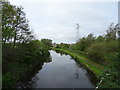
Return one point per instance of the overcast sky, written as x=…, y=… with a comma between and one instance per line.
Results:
x=57, y=20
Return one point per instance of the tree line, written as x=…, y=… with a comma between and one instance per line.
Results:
x=103, y=50
x=21, y=52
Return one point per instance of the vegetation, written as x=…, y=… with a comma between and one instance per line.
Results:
x=15, y=27
x=21, y=59
x=47, y=43
x=94, y=67
x=102, y=51
x=62, y=45
x=21, y=52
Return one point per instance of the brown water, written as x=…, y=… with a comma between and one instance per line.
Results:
x=61, y=72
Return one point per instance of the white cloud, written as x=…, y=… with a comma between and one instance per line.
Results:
x=51, y=1
x=56, y=20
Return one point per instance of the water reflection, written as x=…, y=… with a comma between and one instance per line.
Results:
x=92, y=77
x=60, y=52
x=77, y=73
x=60, y=71
x=29, y=77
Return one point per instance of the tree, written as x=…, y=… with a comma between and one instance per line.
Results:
x=15, y=27
x=84, y=42
x=100, y=38
x=47, y=42
x=111, y=32
x=97, y=51
x=7, y=17
x=22, y=30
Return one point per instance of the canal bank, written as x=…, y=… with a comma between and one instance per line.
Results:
x=62, y=72
x=94, y=67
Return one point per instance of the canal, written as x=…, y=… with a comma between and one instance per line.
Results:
x=62, y=71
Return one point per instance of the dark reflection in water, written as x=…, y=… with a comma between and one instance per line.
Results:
x=89, y=73
x=24, y=81
x=61, y=72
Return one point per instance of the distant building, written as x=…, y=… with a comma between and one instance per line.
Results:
x=54, y=45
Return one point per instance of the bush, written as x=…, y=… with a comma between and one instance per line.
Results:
x=109, y=77
x=97, y=51
x=8, y=80
x=19, y=59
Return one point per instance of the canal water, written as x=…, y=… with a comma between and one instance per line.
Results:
x=61, y=72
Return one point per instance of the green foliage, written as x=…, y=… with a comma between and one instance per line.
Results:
x=8, y=80
x=18, y=60
x=83, y=43
x=19, y=52
x=110, y=76
x=103, y=50
x=94, y=51
x=112, y=46
x=100, y=38
x=47, y=43
x=62, y=45
x=15, y=27
x=57, y=46
x=94, y=67
x=111, y=32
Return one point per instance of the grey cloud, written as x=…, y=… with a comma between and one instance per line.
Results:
x=57, y=20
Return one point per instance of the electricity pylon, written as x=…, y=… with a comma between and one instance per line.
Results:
x=77, y=32
x=77, y=38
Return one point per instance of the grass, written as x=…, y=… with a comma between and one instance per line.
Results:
x=93, y=66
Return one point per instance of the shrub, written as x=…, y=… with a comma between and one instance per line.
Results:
x=97, y=51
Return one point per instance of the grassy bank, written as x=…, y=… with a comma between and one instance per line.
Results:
x=94, y=67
